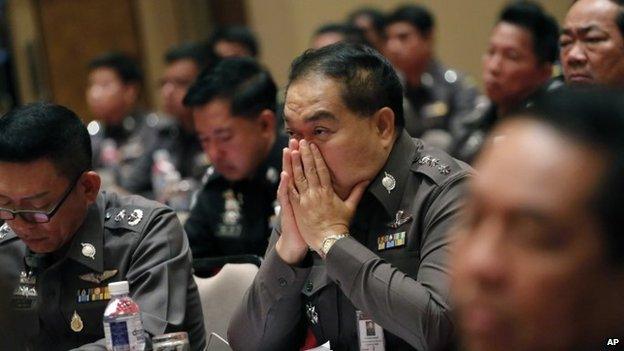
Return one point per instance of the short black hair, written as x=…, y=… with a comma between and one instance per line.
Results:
x=125, y=66
x=542, y=26
x=593, y=116
x=46, y=131
x=197, y=52
x=369, y=82
x=241, y=80
x=377, y=17
x=416, y=15
x=236, y=34
x=619, y=19
x=350, y=33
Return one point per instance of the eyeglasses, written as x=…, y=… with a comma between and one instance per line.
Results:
x=34, y=216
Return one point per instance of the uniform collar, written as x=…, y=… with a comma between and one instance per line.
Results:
x=270, y=169
x=90, y=238
x=397, y=167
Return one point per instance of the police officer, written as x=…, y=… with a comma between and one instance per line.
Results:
x=120, y=130
x=372, y=203
x=175, y=132
x=234, y=114
x=517, y=67
x=63, y=241
x=542, y=241
x=434, y=95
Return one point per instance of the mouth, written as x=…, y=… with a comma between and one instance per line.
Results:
x=580, y=78
x=481, y=320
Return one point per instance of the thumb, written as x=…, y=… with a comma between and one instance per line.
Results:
x=356, y=194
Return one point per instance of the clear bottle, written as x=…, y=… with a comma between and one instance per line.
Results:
x=123, y=328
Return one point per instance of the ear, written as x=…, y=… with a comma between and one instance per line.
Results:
x=383, y=121
x=90, y=183
x=266, y=120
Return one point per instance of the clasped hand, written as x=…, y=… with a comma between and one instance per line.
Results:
x=310, y=208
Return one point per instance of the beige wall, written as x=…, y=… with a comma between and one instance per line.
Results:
x=284, y=27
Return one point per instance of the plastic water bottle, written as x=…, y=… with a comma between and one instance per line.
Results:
x=123, y=328
x=164, y=175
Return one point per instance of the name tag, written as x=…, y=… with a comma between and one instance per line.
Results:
x=370, y=334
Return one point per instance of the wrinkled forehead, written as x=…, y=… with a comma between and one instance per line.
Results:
x=585, y=14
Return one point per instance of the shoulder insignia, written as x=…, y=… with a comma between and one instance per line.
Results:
x=132, y=218
x=431, y=161
x=437, y=165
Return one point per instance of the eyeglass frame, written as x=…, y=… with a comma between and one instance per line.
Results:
x=49, y=214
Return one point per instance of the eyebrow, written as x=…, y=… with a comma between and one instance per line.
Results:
x=315, y=117
x=32, y=197
x=582, y=30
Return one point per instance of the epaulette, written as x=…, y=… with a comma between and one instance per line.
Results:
x=437, y=165
x=210, y=175
x=6, y=234
x=130, y=217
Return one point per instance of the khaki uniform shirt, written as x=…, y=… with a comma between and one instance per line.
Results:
x=392, y=267
x=122, y=238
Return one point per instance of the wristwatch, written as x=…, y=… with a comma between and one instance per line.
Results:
x=329, y=241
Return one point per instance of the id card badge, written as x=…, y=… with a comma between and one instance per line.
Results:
x=370, y=334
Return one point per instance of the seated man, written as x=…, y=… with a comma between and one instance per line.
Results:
x=516, y=68
x=374, y=204
x=592, y=43
x=64, y=241
x=120, y=129
x=176, y=133
x=435, y=97
x=234, y=113
x=538, y=264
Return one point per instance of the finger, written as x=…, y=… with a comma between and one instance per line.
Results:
x=299, y=178
x=282, y=191
x=308, y=164
x=356, y=194
x=321, y=167
x=286, y=163
x=293, y=144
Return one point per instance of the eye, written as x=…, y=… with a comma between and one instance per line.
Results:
x=320, y=131
x=565, y=41
x=594, y=39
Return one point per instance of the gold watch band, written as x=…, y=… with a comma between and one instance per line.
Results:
x=329, y=241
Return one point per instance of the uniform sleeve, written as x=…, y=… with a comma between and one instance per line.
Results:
x=161, y=281
x=198, y=228
x=269, y=317
x=418, y=310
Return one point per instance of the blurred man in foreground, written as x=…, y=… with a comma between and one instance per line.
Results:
x=538, y=264
x=372, y=203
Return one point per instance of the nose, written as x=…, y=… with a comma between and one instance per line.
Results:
x=166, y=90
x=574, y=55
x=215, y=152
x=492, y=64
x=482, y=257
x=19, y=225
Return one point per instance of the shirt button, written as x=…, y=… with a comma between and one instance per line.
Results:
x=282, y=282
